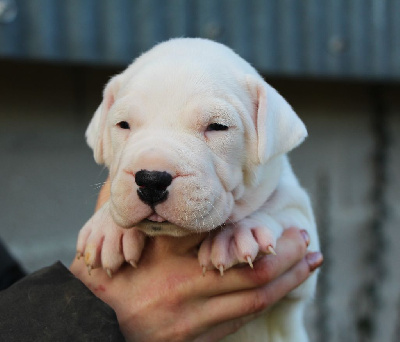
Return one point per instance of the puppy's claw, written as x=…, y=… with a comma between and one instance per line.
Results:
x=79, y=255
x=221, y=270
x=204, y=269
x=271, y=250
x=89, y=268
x=109, y=272
x=133, y=263
x=248, y=258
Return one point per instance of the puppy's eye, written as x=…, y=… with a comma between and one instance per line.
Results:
x=217, y=127
x=123, y=125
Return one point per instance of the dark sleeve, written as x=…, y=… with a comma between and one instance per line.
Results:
x=10, y=270
x=53, y=305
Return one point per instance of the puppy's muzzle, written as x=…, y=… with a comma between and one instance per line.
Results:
x=152, y=186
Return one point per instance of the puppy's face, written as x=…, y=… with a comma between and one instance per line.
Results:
x=180, y=138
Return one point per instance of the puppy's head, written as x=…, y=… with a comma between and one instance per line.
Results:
x=183, y=131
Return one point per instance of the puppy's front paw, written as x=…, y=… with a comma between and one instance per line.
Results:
x=236, y=243
x=104, y=244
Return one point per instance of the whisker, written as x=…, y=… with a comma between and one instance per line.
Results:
x=97, y=185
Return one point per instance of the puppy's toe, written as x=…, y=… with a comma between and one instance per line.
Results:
x=111, y=251
x=223, y=254
x=265, y=239
x=133, y=242
x=245, y=245
x=83, y=236
x=92, y=253
x=204, y=254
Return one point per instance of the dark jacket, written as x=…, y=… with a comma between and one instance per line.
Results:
x=53, y=305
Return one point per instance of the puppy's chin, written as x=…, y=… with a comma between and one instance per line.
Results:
x=161, y=228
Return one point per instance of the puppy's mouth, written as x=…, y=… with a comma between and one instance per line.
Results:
x=155, y=222
x=156, y=218
x=158, y=225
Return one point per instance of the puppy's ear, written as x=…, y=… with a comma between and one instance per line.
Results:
x=278, y=127
x=97, y=136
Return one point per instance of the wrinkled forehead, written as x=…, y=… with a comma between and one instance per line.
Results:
x=181, y=85
x=174, y=79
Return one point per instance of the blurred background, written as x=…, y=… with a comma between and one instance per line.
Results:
x=336, y=61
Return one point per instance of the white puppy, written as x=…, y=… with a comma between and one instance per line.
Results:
x=195, y=140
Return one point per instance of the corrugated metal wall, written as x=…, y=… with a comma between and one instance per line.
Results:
x=328, y=38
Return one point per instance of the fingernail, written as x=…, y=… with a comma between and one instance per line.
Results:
x=305, y=236
x=314, y=260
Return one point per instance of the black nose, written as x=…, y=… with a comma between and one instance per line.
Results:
x=152, y=186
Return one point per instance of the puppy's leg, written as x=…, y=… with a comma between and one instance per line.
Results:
x=281, y=323
x=104, y=244
x=288, y=206
x=285, y=321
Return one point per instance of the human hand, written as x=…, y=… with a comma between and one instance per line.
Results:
x=167, y=298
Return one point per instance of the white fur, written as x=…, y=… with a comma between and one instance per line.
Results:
x=238, y=178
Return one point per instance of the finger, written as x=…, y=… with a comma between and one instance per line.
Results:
x=290, y=249
x=254, y=302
